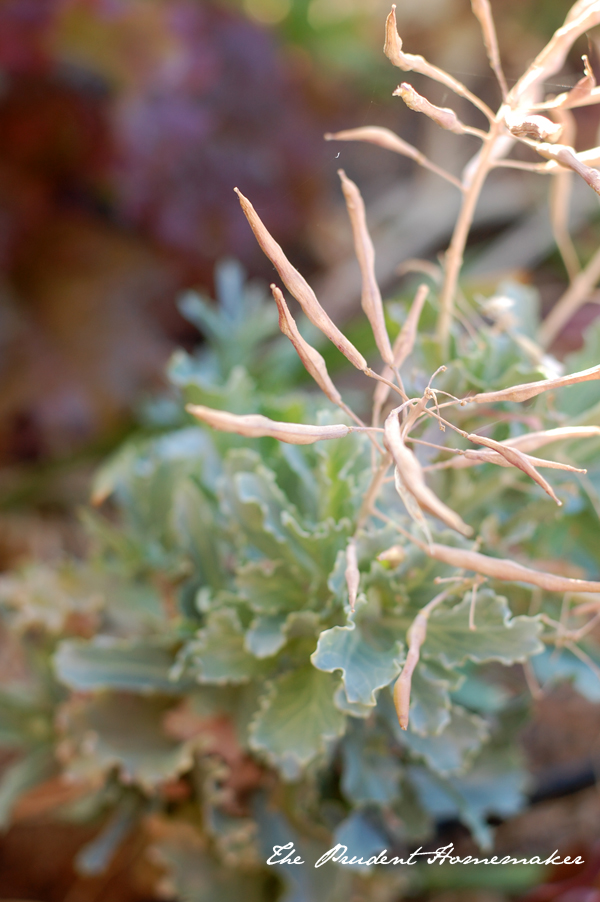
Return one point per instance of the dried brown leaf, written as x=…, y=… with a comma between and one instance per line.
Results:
x=299, y=287
x=413, y=479
x=256, y=426
x=310, y=357
x=365, y=253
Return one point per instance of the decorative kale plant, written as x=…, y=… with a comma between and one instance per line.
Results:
x=288, y=629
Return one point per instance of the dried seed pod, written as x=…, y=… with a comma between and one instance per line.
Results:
x=552, y=58
x=531, y=441
x=309, y=356
x=412, y=508
x=482, y=11
x=383, y=137
x=405, y=341
x=583, y=94
x=365, y=253
x=531, y=389
x=506, y=570
x=299, y=287
x=536, y=128
x=410, y=62
x=516, y=459
x=394, y=555
x=375, y=134
x=442, y=116
x=257, y=426
x=352, y=573
x=412, y=477
x=416, y=635
x=472, y=458
x=566, y=156
x=402, y=348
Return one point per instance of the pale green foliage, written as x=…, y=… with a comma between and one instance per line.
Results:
x=222, y=633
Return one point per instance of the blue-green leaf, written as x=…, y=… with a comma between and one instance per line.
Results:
x=297, y=719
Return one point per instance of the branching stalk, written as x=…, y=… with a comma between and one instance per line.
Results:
x=456, y=250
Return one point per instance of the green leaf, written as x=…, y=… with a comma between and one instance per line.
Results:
x=493, y=786
x=252, y=499
x=124, y=731
x=477, y=694
x=367, y=652
x=108, y=663
x=450, y=751
x=272, y=587
x=341, y=472
x=218, y=654
x=576, y=399
x=266, y=635
x=363, y=837
x=194, y=525
x=498, y=636
x=370, y=774
x=355, y=709
x=430, y=697
x=556, y=665
x=195, y=875
x=297, y=719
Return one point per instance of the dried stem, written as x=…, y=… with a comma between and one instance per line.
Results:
x=573, y=298
x=410, y=62
x=384, y=137
x=455, y=252
x=373, y=490
x=561, y=188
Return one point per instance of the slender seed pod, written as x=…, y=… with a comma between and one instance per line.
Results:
x=310, y=357
x=413, y=479
x=516, y=459
x=257, y=426
x=365, y=253
x=506, y=570
x=403, y=346
x=531, y=389
x=298, y=286
x=416, y=635
x=442, y=116
x=352, y=573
